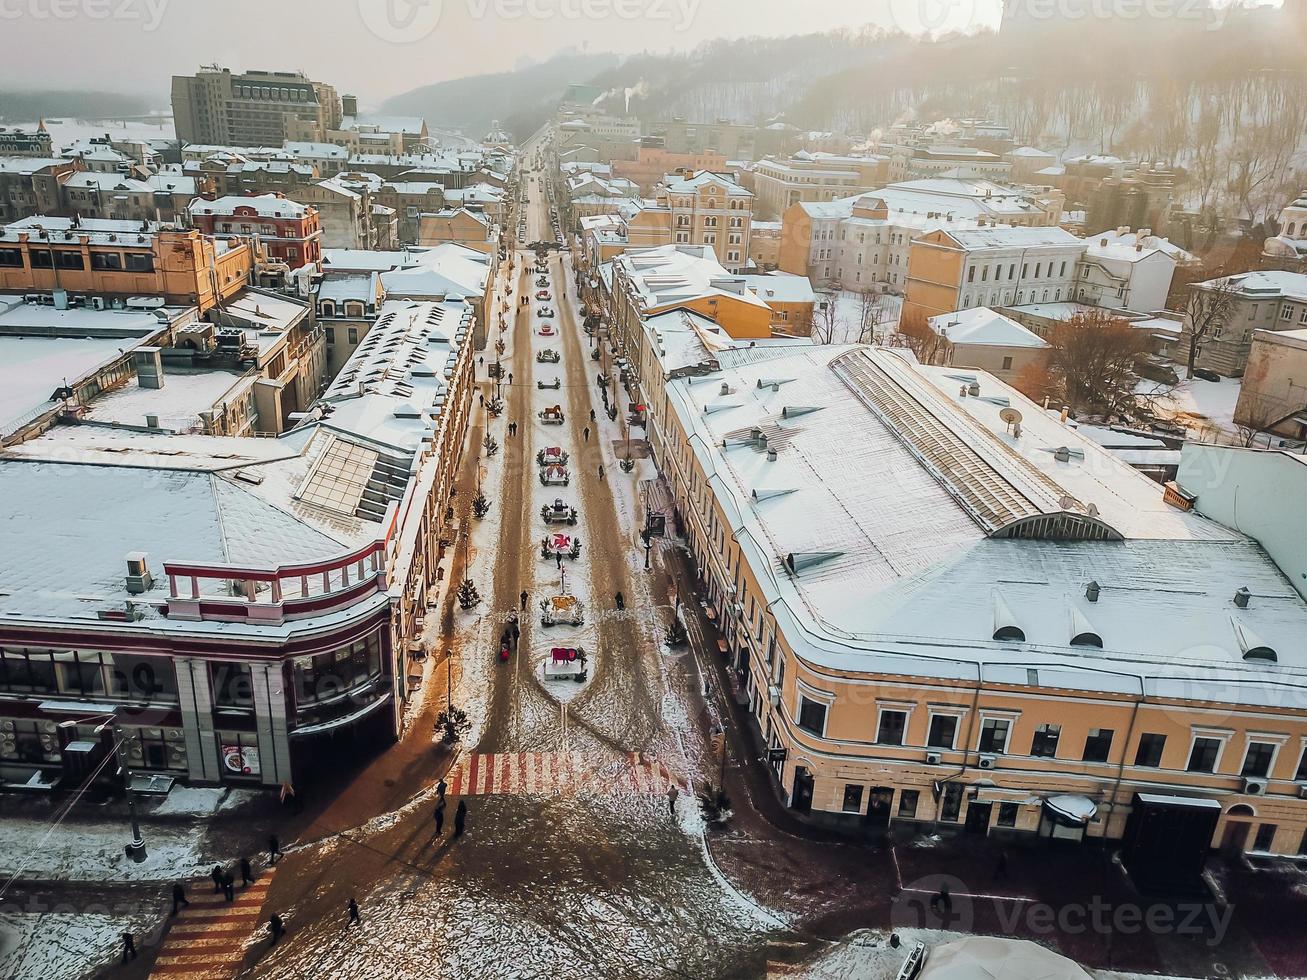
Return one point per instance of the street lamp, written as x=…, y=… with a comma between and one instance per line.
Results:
x=135, y=849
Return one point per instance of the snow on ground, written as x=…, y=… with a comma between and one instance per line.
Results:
x=848, y=317
x=1205, y=408
x=203, y=801
x=66, y=131
x=66, y=945
x=37, y=849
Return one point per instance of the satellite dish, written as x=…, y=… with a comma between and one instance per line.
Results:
x=1010, y=416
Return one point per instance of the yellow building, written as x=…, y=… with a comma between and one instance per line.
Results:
x=103, y=257
x=939, y=619
x=457, y=226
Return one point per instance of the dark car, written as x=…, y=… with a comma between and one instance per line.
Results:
x=1206, y=374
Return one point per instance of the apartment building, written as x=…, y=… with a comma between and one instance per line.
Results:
x=1273, y=393
x=1057, y=698
x=410, y=199
x=31, y=185
x=15, y=142
x=344, y=204
x=711, y=209
x=861, y=241
x=460, y=226
x=97, y=258
x=1272, y=301
x=653, y=162
x=734, y=141
x=814, y=178
x=244, y=603
x=961, y=270
x=255, y=108
x=290, y=232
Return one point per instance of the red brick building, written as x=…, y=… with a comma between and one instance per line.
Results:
x=290, y=232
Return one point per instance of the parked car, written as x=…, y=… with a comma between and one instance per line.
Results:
x=1206, y=374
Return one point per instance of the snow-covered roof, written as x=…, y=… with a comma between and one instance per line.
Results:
x=1018, y=237
x=339, y=288
x=781, y=287
x=263, y=205
x=678, y=184
x=1267, y=285
x=983, y=327
x=669, y=275
x=1131, y=246
x=99, y=231
x=324, y=151
x=28, y=165
x=892, y=498
x=107, y=183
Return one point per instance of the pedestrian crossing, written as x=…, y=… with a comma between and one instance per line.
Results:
x=556, y=773
x=207, y=938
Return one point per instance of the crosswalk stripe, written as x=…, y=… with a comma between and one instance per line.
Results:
x=552, y=773
x=206, y=941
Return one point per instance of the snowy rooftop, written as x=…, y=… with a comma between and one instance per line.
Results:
x=450, y=270
x=781, y=287
x=671, y=274
x=982, y=326
x=97, y=230
x=343, y=287
x=1021, y=237
x=683, y=339
x=891, y=498
x=177, y=405
x=1123, y=243
x=678, y=184
x=28, y=165
x=264, y=205
x=1269, y=285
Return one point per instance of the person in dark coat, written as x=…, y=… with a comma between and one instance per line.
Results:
x=216, y=875
x=277, y=928
x=353, y=908
x=592, y=415
x=601, y=471
x=247, y=873
x=586, y=432
x=179, y=899
x=274, y=848
x=460, y=818
x=440, y=816
x=228, y=886
x=441, y=788
x=523, y=597
x=129, y=947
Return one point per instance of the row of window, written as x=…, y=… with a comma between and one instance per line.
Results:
x=996, y=734
x=40, y=258
x=1012, y=272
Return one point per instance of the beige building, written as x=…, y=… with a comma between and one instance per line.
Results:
x=940, y=622
x=1273, y=396
x=1271, y=301
x=989, y=342
x=814, y=177
x=712, y=209
x=458, y=226
x=255, y=108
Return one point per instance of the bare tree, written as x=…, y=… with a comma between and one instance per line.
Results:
x=1207, y=309
x=916, y=335
x=1091, y=364
x=825, y=318
x=870, y=302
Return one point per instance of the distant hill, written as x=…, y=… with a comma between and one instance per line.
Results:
x=35, y=104
x=520, y=100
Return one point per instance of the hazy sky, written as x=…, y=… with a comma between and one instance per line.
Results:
x=377, y=48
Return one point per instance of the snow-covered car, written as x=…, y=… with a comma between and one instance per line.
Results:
x=562, y=609
x=548, y=356
x=542, y=281
x=553, y=415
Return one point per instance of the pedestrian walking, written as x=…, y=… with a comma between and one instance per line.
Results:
x=559, y=556
x=228, y=886
x=441, y=787
x=592, y=415
x=482, y=396
x=274, y=848
x=460, y=818
x=510, y=377
x=517, y=631
x=353, y=908
x=216, y=875
x=129, y=947
x=179, y=899
x=601, y=471
x=247, y=873
x=440, y=816
x=586, y=432
x=277, y=928
x=523, y=597
x=941, y=902
x=672, y=794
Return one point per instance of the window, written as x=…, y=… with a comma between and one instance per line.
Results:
x=1203, y=754
x=353, y=335
x=1007, y=364
x=1265, y=839
x=812, y=716
x=1301, y=774
x=138, y=262
x=1007, y=814
x=232, y=686
x=69, y=260
x=1044, y=743
x=908, y=804
x=11, y=258
x=1098, y=745
x=943, y=732
x=852, y=798
x=951, y=803
x=331, y=336
x=41, y=259
x=106, y=261
x=892, y=726
x=1257, y=762
x=993, y=734
x=1149, y=753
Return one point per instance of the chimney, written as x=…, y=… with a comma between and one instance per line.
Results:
x=1092, y=591
x=771, y=455
x=139, y=579
x=149, y=367
x=1243, y=597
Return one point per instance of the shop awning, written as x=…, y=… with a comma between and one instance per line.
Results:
x=1078, y=810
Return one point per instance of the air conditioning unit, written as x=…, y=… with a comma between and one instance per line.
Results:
x=988, y=761
x=1254, y=787
x=97, y=303
x=774, y=695
x=933, y=758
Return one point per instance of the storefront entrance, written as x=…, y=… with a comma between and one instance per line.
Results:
x=1166, y=842
x=978, y=815
x=878, y=808
x=801, y=797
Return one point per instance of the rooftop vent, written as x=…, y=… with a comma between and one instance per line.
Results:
x=1092, y=591
x=1083, y=633
x=1005, y=624
x=1242, y=598
x=139, y=579
x=1251, y=645
x=794, y=411
x=771, y=455
x=771, y=493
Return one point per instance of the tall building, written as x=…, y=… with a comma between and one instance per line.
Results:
x=255, y=108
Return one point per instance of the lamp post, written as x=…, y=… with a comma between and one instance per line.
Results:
x=136, y=848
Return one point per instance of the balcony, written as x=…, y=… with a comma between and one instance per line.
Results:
x=230, y=593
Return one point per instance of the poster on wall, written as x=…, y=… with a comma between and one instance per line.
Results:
x=241, y=759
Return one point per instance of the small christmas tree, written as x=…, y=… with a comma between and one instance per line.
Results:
x=490, y=446
x=468, y=596
x=481, y=505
